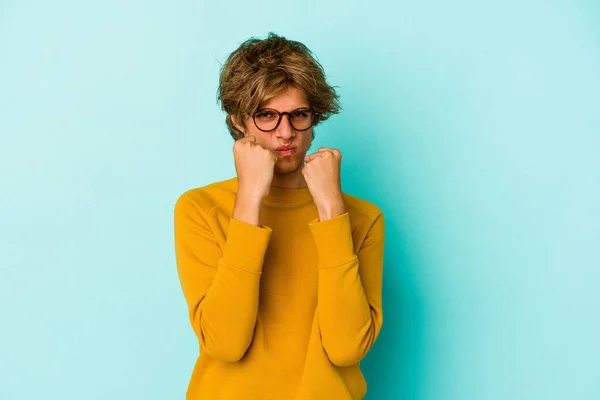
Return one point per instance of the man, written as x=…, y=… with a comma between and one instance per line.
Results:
x=281, y=270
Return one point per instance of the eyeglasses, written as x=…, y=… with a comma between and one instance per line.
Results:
x=267, y=119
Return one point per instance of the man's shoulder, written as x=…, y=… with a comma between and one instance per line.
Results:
x=207, y=196
x=362, y=209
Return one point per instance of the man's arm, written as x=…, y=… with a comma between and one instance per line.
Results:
x=221, y=287
x=350, y=288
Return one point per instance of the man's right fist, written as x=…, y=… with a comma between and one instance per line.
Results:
x=254, y=166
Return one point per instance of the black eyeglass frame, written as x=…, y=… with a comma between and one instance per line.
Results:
x=281, y=114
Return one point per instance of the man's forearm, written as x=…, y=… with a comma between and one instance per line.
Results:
x=247, y=208
x=331, y=208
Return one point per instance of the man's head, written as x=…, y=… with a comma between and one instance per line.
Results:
x=282, y=75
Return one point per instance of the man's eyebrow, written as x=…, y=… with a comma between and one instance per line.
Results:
x=294, y=109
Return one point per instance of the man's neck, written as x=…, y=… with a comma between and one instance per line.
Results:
x=289, y=181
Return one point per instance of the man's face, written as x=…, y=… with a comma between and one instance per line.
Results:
x=285, y=134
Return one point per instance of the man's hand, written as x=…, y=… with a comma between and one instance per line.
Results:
x=322, y=176
x=254, y=166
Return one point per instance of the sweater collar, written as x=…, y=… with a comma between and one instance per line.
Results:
x=284, y=195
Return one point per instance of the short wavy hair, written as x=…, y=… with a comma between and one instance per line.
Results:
x=260, y=69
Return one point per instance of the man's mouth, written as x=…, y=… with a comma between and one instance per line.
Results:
x=286, y=151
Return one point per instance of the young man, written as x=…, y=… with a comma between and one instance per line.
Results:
x=281, y=270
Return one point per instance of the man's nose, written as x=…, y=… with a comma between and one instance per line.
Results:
x=285, y=129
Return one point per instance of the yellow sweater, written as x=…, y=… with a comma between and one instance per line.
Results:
x=285, y=310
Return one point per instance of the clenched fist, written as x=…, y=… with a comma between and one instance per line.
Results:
x=254, y=166
x=322, y=176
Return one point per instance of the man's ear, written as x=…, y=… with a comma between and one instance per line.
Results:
x=237, y=125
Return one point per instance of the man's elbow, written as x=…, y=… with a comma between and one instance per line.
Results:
x=349, y=351
x=344, y=357
x=226, y=352
x=223, y=347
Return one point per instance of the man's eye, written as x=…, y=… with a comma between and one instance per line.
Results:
x=266, y=115
x=300, y=115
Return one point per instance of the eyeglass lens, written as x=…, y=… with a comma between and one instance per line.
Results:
x=267, y=119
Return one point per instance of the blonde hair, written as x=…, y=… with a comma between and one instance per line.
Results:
x=259, y=70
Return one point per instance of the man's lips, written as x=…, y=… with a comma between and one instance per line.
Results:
x=286, y=151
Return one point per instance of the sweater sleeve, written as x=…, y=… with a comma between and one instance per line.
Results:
x=221, y=287
x=350, y=288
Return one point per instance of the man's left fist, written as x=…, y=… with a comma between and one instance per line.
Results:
x=322, y=175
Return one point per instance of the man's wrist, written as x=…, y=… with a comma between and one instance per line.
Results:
x=247, y=208
x=331, y=209
x=250, y=197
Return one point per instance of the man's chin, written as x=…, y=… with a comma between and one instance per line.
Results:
x=287, y=167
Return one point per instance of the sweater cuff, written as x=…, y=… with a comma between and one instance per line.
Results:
x=333, y=240
x=246, y=245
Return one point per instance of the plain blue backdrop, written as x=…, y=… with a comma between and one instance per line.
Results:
x=475, y=126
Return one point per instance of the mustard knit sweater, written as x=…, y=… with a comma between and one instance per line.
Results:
x=285, y=310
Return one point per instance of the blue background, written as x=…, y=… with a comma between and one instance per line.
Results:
x=475, y=126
